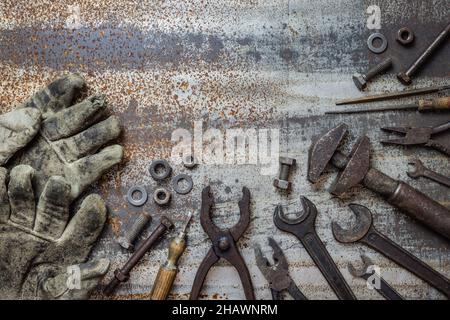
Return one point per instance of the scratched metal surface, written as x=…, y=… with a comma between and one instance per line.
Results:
x=238, y=63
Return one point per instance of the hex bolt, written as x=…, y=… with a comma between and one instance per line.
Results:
x=123, y=274
x=361, y=80
x=126, y=241
x=405, y=77
x=286, y=165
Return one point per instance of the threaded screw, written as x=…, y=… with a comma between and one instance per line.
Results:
x=361, y=80
x=126, y=241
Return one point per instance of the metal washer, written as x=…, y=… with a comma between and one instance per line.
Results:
x=176, y=186
x=372, y=38
x=163, y=163
x=137, y=202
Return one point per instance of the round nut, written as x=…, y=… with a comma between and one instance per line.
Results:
x=405, y=36
x=282, y=184
x=137, y=202
x=162, y=196
x=190, y=161
x=288, y=161
x=160, y=164
x=360, y=81
x=371, y=40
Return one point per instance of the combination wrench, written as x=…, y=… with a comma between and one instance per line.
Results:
x=419, y=170
x=366, y=273
x=364, y=232
x=303, y=227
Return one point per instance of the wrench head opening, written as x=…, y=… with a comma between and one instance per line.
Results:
x=359, y=230
x=322, y=151
x=358, y=273
x=416, y=169
x=305, y=218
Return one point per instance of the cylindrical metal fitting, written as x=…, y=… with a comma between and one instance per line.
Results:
x=127, y=240
x=405, y=77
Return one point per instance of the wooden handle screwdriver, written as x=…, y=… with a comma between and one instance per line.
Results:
x=421, y=105
x=168, y=271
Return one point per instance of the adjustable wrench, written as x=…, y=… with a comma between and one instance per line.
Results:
x=303, y=228
x=365, y=232
x=421, y=171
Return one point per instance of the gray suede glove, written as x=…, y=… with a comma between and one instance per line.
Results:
x=43, y=251
x=17, y=128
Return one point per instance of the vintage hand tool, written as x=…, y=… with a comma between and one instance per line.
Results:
x=405, y=77
x=365, y=273
x=419, y=136
x=224, y=243
x=421, y=171
x=421, y=106
x=393, y=95
x=364, y=232
x=356, y=170
x=123, y=274
x=277, y=274
x=303, y=227
x=167, y=272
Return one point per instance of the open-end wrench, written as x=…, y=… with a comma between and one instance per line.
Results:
x=364, y=232
x=366, y=272
x=303, y=227
x=419, y=170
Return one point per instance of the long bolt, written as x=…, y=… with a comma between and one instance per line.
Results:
x=126, y=241
x=361, y=80
x=405, y=77
x=123, y=274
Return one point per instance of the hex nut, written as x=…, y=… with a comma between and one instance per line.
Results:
x=190, y=161
x=287, y=161
x=162, y=196
x=282, y=184
x=405, y=36
x=167, y=169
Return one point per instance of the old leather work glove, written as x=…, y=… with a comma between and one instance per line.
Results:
x=43, y=251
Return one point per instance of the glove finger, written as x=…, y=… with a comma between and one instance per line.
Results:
x=89, y=169
x=17, y=128
x=4, y=202
x=21, y=195
x=53, y=208
x=74, y=119
x=83, y=230
x=77, y=281
x=57, y=95
x=89, y=140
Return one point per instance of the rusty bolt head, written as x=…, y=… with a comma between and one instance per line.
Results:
x=404, y=78
x=224, y=244
x=287, y=161
x=282, y=184
x=360, y=81
x=405, y=36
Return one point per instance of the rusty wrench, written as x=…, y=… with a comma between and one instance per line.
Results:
x=385, y=289
x=303, y=227
x=365, y=232
x=421, y=171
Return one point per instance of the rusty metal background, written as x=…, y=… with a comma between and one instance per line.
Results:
x=238, y=63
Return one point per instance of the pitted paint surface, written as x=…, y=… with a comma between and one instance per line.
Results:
x=240, y=64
